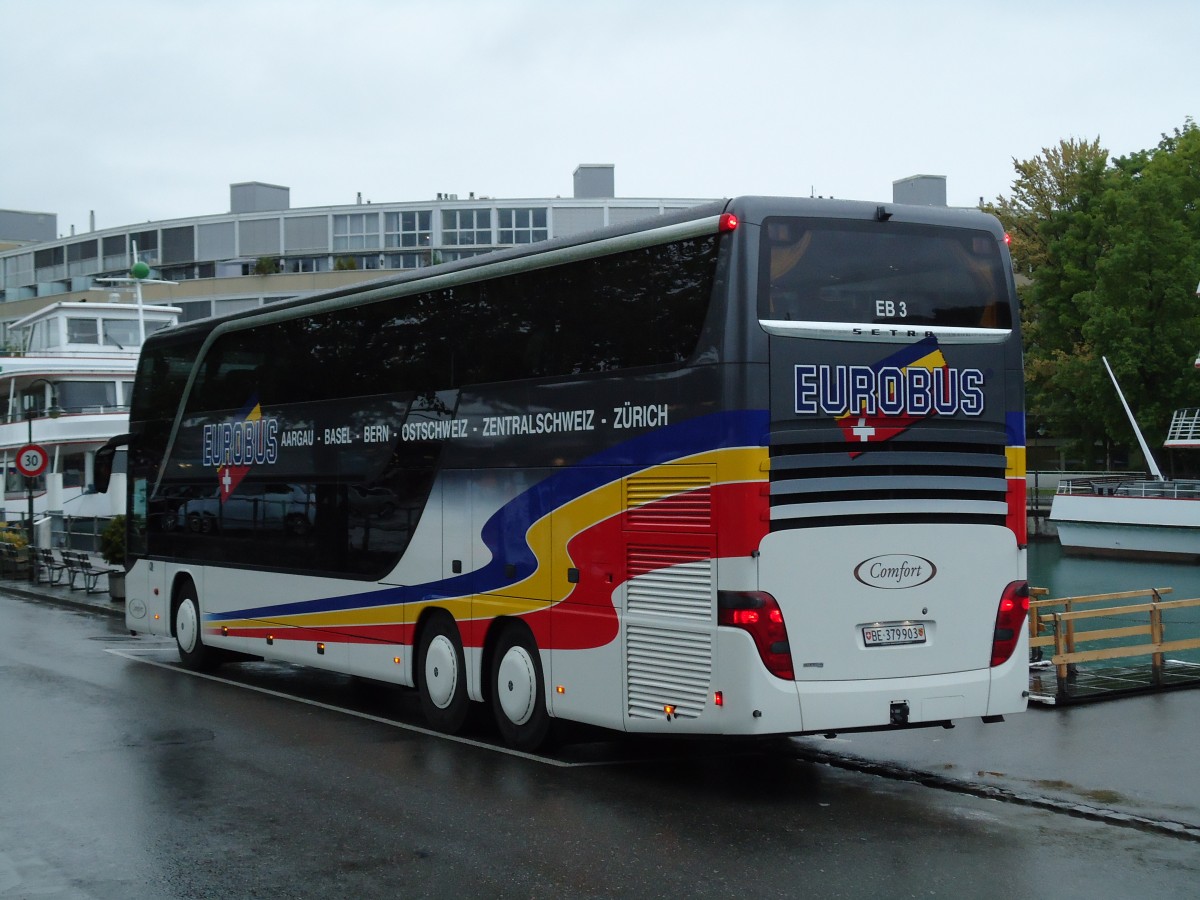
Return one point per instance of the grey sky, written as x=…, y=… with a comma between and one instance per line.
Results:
x=149, y=110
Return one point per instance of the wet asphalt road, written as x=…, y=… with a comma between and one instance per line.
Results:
x=124, y=777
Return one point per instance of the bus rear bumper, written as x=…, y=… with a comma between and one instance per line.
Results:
x=882, y=703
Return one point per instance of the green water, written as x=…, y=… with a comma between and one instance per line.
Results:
x=1069, y=576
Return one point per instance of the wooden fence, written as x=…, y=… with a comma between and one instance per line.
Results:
x=1066, y=631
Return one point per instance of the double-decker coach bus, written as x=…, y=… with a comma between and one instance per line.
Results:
x=755, y=468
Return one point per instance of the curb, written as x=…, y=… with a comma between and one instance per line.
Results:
x=115, y=610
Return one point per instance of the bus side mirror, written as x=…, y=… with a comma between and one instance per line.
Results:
x=104, y=461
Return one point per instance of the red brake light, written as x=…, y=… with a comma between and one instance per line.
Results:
x=758, y=614
x=727, y=222
x=1007, y=239
x=1010, y=621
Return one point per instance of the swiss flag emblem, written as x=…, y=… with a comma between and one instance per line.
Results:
x=862, y=428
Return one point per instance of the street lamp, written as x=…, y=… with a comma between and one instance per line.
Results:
x=53, y=411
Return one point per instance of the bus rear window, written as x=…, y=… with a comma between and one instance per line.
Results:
x=843, y=270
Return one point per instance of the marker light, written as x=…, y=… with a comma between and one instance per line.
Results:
x=727, y=222
x=396, y=660
x=1007, y=239
x=560, y=689
x=1010, y=621
x=719, y=698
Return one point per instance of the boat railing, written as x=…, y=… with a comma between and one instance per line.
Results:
x=1102, y=485
x=1131, y=485
x=1185, y=426
x=95, y=410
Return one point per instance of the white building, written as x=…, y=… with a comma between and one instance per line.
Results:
x=262, y=250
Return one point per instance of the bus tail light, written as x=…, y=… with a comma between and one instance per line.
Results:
x=758, y=614
x=727, y=222
x=1010, y=620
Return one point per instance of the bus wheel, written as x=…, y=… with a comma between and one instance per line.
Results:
x=443, y=676
x=518, y=694
x=192, y=650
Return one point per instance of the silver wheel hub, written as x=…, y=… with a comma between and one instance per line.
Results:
x=187, y=626
x=516, y=685
x=441, y=671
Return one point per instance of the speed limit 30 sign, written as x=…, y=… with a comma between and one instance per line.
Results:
x=32, y=460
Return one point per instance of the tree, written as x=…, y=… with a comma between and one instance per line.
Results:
x=1113, y=253
x=1059, y=180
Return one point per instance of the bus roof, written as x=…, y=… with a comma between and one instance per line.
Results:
x=751, y=209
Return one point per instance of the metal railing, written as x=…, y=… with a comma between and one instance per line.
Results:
x=1185, y=426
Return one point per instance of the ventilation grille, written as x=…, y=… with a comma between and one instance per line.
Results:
x=667, y=668
x=820, y=485
x=670, y=581
x=670, y=499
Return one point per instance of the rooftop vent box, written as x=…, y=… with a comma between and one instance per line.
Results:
x=255, y=196
x=920, y=190
x=594, y=182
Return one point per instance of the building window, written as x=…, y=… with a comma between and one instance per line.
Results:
x=356, y=231
x=452, y=255
x=466, y=227
x=408, y=229
x=147, y=246
x=522, y=226
x=180, y=273
x=306, y=264
x=406, y=260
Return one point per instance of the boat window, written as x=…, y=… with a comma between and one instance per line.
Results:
x=73, y=469
x=86, y=396
x=82, y=331
x=119, y=333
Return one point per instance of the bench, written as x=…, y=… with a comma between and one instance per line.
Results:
x=50, y=567
x=80, y=566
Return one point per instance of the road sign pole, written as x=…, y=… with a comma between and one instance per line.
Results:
x=29, y=497
x=32, y=461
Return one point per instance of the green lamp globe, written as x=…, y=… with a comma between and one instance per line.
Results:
x=140, y=270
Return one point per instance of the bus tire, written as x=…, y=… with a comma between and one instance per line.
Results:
x=442, y=675
x=193, y=652
x=518, y=692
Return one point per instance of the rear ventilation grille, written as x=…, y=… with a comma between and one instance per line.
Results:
x=670, y=581
x=670, y=498
x=820, y=485
x=667, y=668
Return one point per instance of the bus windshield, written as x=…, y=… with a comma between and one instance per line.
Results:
x=840, y=270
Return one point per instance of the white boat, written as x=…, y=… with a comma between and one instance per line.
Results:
x=1134, y=515
x=65, y=380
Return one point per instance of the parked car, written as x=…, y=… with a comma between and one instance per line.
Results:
x=372, y=501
